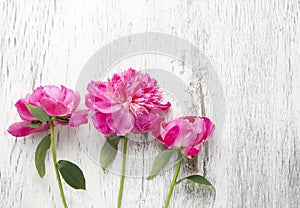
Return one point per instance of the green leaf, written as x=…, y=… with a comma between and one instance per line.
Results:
x=72, y=174
x=161, y=160
x=34, y=124
x=37, y=112
x=40, y=155
x=197, y=179
x=109, y=151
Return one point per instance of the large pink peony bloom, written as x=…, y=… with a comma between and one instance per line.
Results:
x=128, y=102
x=55, y=101
x=187, y=132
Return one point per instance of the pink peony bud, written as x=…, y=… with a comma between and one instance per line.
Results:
x=187, y=132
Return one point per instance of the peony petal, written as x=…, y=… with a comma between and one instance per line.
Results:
x=171, y=136
x=99, y=121
x=71, y=99
x=89, y=101
x=122, y=121
x=106, y=107
x=20, y=129
x=54, y=92
x=36, y=96
x=205, y=129
x=78, y=118
x=99, y=90
x=187, y=136
x=142, y=123
x=209, y=128
x=191, y=150
x=147, y=122
x=164, y=107
x=23, y=111
x=53, y=108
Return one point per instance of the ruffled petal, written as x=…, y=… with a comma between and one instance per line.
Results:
x=187, y=136
x=106, y=107
x=191, y=150
x=99, y=89
x=20, y=129
x=122, y=121
x=78, y=118
x=150, y=121
x=53, y=108
x=36, y=96
x=142, y=123
x=23, y=111
x=71, y=99
x=99, y=121
x=209, y=128
x=54, y=92
x=89, y=101
x=164, y=107
x=171, y=136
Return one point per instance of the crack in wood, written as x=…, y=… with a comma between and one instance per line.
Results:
x=205, y=146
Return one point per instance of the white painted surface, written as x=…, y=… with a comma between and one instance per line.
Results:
x=255, y=48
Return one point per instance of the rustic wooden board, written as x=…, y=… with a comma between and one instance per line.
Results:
x=255, y=49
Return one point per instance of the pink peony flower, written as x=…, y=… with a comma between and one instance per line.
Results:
x=55, y=101
x=128, y=102
x=187, y=132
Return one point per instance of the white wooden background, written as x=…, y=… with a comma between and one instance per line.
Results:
x=255, y=49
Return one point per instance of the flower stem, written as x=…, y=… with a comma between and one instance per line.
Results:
x=55, y=163
x=123, y=172
x=173, y=184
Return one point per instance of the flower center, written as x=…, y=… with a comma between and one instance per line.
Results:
x=126, y=104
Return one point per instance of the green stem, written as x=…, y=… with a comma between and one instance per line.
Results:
x=123, y=172
x=173, y=184
x=55, y=162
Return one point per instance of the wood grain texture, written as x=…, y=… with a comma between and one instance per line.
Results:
x=255, y=49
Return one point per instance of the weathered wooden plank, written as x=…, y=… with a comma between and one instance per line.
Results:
x=254, y=46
